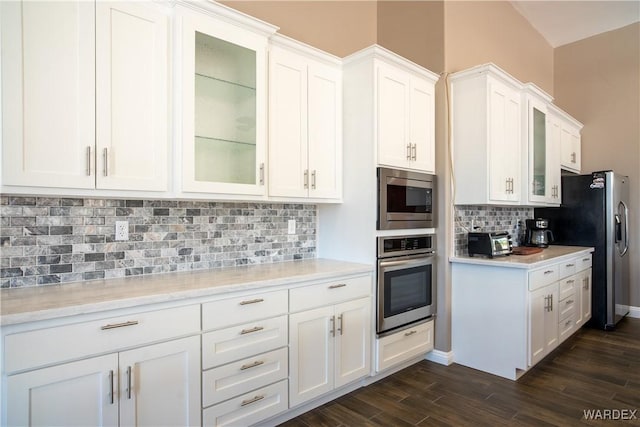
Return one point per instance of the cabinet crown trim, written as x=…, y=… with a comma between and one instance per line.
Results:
x=304, y=49
x=533, y=89
x=485, y=70
x=554, y=109
x=378, y=52
x=230, y=15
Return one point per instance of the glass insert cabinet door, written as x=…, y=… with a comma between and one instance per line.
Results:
x=223, y=110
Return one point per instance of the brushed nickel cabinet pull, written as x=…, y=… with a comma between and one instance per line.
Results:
x=248, y=331
x=408, y=334
x=252, y=301
x=111, y=382
x=105, y=158
x=570, y=281
x=414, y=151
x=573, y=157
x=340, y=327
x=571, y=265
x=313, y=180
x=340, y=285
x=252, y=365
x=567, y=322
x=306, y=178
x=119, y=325
x=548, y=272
x=261, y=173
x=128, y=382
x=585, y=259
x=569, y=302
x=250, y=401
x=551, y=301
x=88, y=161
x=332, y=328
x=408, y=151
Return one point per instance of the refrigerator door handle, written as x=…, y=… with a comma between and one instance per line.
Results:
x=626, y=228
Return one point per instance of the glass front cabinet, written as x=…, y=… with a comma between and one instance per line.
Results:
x=223, y=109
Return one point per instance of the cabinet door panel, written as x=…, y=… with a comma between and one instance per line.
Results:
x=422, y=126
x=353, y=341
x=287, y=124
x=73, y=394
x=325, y=131
x=164, y=384
x=393, y=116
x=132, y=87
x=538, y=305
x=48, y=99
x=311, y=361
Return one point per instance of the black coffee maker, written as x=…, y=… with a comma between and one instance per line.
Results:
x=538, y=233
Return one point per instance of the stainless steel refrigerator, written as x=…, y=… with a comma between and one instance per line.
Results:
x=594, y=213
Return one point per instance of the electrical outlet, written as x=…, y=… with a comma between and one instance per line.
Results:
x=292, y=226
x=122, y=230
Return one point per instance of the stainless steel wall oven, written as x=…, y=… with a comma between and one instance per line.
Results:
x=406, y=285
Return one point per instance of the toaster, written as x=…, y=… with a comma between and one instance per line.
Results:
x=489, y=244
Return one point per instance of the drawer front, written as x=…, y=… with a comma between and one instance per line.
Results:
x=249, y=408
x=329, y=293
x=567, y=307
x=543, y=277
x=568, y=286
x=236, y=378
x=567, y=268
x=232, y=311
x=404, y=345
x=27, y=350
x=242, y=341
x=566, y=327
x=583, y=262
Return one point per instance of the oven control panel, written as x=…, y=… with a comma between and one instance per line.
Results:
x=405, y=245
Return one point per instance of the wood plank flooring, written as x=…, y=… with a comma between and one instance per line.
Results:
x=592, y=370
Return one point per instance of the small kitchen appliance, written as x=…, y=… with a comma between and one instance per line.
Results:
x=538, y=233
x=406, y=199
x=489, y=244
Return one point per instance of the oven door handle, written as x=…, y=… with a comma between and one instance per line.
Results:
x=408, y=261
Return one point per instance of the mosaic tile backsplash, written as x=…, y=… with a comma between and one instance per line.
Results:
x=488, y=218
x=45, y=240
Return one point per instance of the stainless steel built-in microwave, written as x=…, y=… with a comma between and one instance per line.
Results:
x=405, y=199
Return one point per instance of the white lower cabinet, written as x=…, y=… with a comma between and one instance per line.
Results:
x=153, y=385
x=543, y=322
x=329, y=347
x=404, y=345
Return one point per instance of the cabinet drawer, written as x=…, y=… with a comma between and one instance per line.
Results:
x=404, y=345
x=242, y=341
x=567, y=286
x=542, y=277
x=567, y=307
x=329, y=293
x=249, y=408
x=583, y=262
x=567, y=268
x=235, y=378
x=231, y=311
x=49, y=346
x=566, y=327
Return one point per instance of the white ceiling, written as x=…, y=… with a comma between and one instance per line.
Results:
x=562, y=22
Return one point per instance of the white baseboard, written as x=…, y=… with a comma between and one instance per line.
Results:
x=634, y=312
x=441, y=357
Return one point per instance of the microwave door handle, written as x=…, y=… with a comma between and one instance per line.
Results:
x=409, y=182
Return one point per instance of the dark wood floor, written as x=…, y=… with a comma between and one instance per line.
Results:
x=591, y=370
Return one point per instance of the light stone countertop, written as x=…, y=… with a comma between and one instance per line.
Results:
x=21, y=305
x=550, y=255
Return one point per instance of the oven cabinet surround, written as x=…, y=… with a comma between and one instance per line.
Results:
x=305, y=122
x=509, y=313
x=190, y=348
x=542, y=145
x=85, y=89
x=569, y=139
x=84, y=372
x=486, y=120
x=222, y=110
x=396, y=100
x=330, y=337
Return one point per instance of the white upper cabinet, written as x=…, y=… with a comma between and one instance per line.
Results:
x=543, y=160
x=406, y=116
x=570, y=139
x=305, y=122
x=223, y=86
x=486, y=122
x=84, y=95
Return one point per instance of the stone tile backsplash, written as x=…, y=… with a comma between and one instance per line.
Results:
x=488, y=218
x=45, y=240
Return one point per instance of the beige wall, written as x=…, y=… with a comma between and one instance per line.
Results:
x=477, y=32
x=337, y=27
x=597, y=81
